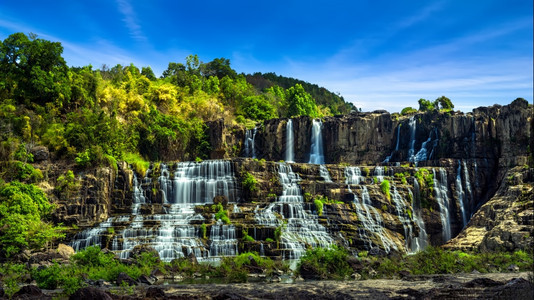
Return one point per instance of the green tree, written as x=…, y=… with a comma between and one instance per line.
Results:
x=300, y=102
x=32, y=69
x=425, y=105
x=445, y=103
x=218, y=67
x=23, y=208
x=147, y=71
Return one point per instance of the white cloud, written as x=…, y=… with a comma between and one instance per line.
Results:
x=130, y=20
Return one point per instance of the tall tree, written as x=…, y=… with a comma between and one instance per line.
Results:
x=32, y=69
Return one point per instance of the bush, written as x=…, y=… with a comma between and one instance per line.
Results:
x=318, y=206
x=249, y=182
x=384, y=186
x=327, y=263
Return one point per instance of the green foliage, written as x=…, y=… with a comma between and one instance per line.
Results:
x=67, y=183
x=92, y=256
x=137, y=162
x=318, y=206
x=246, y=237
x=12, y=275
x=408, y=110
x=23, y=208
x=426, y=183
x=328, y=263
x=402, y=177
x=300, y=103
x=204, y=230
x=249, y=183
x=385, y=187
x=222, y=214
x=425, y=105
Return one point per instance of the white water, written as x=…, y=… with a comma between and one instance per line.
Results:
x=413, y=126
x=316, y=149
x=440, y=187
x=469, y=190
x=171, y=232
x=250, y=137
x=396, y=146
x=323, y=171
x=301, y=226
x=372, y=223
x=420, y=242
x=460, y=195
x=379, y=173
x=290, y=140
x=404, y=218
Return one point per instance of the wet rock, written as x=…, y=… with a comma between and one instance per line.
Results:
x=30, y=292
x=123, y=278
x=150, y=280
x=356, y=276
x=90, y=293
x=513, y=268
x=483, y=282
x=223, y=200
x=155, y=292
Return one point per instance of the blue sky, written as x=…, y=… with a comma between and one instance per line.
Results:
x=376, y=54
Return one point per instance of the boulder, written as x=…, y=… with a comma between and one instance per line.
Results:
x=65, y=251
x=155, y=292
x=123, y=278
x=90, y=292
x=40, y=153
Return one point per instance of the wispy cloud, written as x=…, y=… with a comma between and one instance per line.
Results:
x=130, y=20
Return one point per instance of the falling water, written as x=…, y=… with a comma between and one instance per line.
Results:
x=396, y=146
x=316, y=149
x=421, y=241
x=302, y=227
x=371, y=220
x=250, y=137
x=469, y=191
x=440, y=187
x=460, y=195
x=411, y=152
x=289, y=142
x=323, y=171
x=404, y=218
x=171, y=232
x=379, y=173
x=422, y=154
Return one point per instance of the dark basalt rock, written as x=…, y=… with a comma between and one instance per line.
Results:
x=30, y=292
x=90, y=293
x=123, y=278
x=155, y=292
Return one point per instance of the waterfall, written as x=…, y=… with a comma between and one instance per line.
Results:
x=289, y=142
x=412, y=125
x=316, y=149
x=396, y=146
x=199, y=183
x=422, y=154
x=421, y=241
x=469, y=191
x=302, y=227
x=223, y=240
x=323, y=171
x=171, y=233
x=379, y=173
x=250, y=137
x=372, y=228
x=404, y=218
x=460, y=195
x=440, y=187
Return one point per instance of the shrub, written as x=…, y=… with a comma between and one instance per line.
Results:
x=318, y=206
x=249, y=182
x=384, y=186
x=327, y=263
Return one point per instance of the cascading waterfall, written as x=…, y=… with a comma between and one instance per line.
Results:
x=290, y=140
x=371, y=220
x=323, y=171
x=250, y=137
x=422, y=154
x=171, y=233
x=316, y=149
x=396, y=146
x=469, y=190
x=460, y=195
x=421, y=241
x=404, y=218
x=379, y=173
x=440, y=187
x=413, y=126
x=302, y=227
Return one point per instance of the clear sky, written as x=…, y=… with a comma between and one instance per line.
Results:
x=377, y=54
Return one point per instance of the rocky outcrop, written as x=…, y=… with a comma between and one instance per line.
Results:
x=506, y=221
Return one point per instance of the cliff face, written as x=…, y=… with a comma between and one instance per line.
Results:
x=440, y=169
